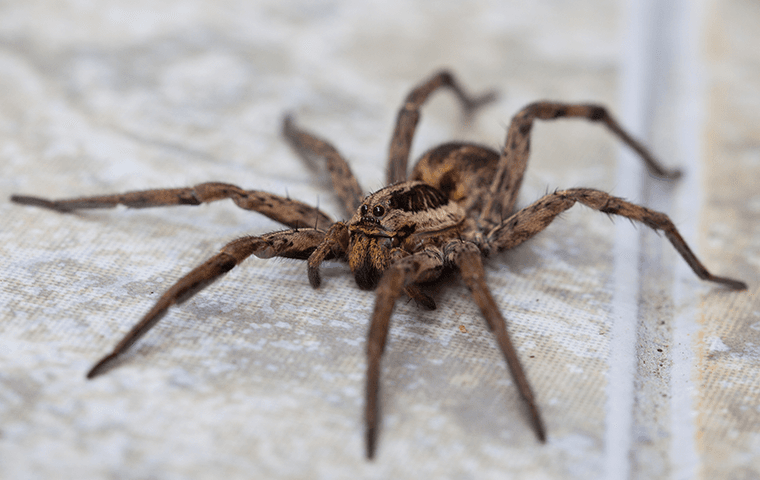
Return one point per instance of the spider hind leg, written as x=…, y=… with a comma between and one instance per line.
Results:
x=502, y=194
x=311, y=147
x=409, y=115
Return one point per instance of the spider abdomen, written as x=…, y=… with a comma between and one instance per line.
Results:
x=461, y=171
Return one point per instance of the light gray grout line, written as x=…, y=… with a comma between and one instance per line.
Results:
x=690, y=106
x=636, y=96
x=622, y=362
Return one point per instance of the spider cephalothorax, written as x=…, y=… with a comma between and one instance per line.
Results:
x=454, y=208
x=398, y=220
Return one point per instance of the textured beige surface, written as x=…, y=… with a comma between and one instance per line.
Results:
x=260, y=376
x=728, y=373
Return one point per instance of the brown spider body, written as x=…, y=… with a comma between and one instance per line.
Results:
x=451, y=211
x=447, y=187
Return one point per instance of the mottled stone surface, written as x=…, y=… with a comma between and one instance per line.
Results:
x=260, y=376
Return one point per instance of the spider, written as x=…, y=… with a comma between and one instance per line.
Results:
x=451, y=212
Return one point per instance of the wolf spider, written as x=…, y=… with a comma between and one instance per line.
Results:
x=454, y=209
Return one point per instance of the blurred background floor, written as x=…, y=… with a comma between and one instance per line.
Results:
x=642, y=370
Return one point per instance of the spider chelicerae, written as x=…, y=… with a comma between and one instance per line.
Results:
x=451, y=212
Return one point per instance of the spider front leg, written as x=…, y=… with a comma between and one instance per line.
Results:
x=529, y=221
x=409, y=115
x=297, y=244
x=289, y=212
x=419, y=267
x=467, y=257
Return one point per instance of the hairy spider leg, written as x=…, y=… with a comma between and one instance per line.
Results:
x=409, y=115
x=298, y=244
x=503, y=192
x=311, y=147
x=289, y=212
x=417, y=267
x=536, y=217
x=467, y=257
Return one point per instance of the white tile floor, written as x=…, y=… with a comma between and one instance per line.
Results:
x=642, y=371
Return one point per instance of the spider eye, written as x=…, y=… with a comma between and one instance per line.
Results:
x=378, y=211
x=363, y=210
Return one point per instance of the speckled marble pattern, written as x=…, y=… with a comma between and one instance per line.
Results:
x=260, y=376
